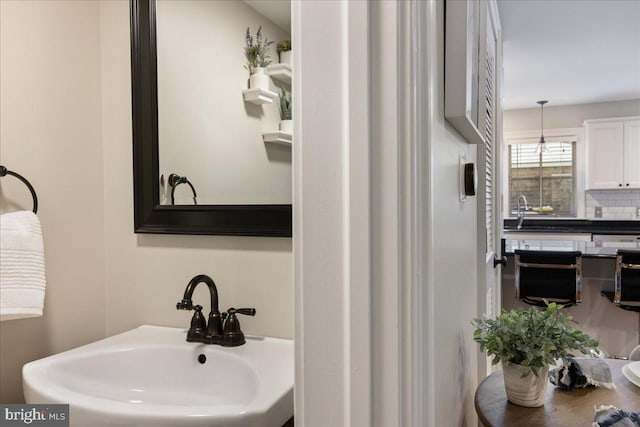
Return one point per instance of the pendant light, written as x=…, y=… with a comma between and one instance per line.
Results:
x=542, y=147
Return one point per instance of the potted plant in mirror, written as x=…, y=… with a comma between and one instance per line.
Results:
x=257, y=53
x=284, y=51
x=286, y=122
x=527, y=342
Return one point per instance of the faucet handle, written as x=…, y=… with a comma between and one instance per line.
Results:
x=197, y=321
x=245, y=311
x=232, y=334
x=198, y=325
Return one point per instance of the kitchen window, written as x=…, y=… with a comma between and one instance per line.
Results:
x=547, y=179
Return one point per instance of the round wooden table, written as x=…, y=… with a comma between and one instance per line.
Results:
x=561, y=408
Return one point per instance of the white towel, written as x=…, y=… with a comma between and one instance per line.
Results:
x=22, y=272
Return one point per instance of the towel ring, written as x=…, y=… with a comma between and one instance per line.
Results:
x=4, y=171
x=174, y=181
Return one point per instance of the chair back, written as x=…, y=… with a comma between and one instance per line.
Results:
x=627, y=279
x=552, y=275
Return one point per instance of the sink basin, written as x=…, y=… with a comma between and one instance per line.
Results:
x=150, y=376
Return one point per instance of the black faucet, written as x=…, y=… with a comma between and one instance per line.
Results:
x=212, y=332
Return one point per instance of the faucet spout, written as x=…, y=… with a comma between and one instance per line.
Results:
x=214, y=324
x=213, y=291
x=522, y=208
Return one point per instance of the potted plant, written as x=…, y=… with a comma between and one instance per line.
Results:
x=284, y=51
x=527, y=342
x=286, y=124
x=257, y=53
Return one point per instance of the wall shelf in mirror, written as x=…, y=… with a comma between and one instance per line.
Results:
x=278, y=138
x=281, y=72
x=259, y=96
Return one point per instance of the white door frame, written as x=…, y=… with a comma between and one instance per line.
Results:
x=331, y=213
x=362, y=114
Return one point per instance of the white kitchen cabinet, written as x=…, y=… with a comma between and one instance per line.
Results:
x=631, y=153
x=613, y=153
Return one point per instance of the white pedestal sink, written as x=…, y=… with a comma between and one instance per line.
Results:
x=150, y=376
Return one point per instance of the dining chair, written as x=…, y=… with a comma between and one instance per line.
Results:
x=626, y=293
x=555, y=276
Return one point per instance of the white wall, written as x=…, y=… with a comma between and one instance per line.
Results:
x=146, y=274
x=567, y=116
x=206, y=130
x=454, y=278
x=50, y=133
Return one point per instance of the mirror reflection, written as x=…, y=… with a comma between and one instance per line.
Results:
x=213, y=138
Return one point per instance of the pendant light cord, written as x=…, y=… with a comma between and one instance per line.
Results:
x=542, y=121
x=542, y=148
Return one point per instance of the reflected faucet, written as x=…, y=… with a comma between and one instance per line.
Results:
x=522, y=208
x=174, y=181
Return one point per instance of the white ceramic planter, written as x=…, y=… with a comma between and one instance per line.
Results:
x=286, y=57
x=286, y=126
x=529, y=391
x=259, y=80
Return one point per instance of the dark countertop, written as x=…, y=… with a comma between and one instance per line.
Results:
x=574, y=226
x=588, y=249
x=558, y=227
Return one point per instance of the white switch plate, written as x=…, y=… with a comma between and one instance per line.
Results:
x=597, y=212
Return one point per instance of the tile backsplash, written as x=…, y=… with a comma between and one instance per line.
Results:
x=615, y=204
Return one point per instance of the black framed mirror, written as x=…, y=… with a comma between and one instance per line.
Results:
x=149, y=215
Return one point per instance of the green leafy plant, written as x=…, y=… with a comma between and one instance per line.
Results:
x=285, y=105
x=256, y=50
x=531, y=338
x=283, y=45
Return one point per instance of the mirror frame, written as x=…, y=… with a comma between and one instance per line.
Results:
x=149, y=215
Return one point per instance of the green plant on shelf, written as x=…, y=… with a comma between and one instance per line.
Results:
x=283, y=46
x=256, y=50
x=285, y=105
